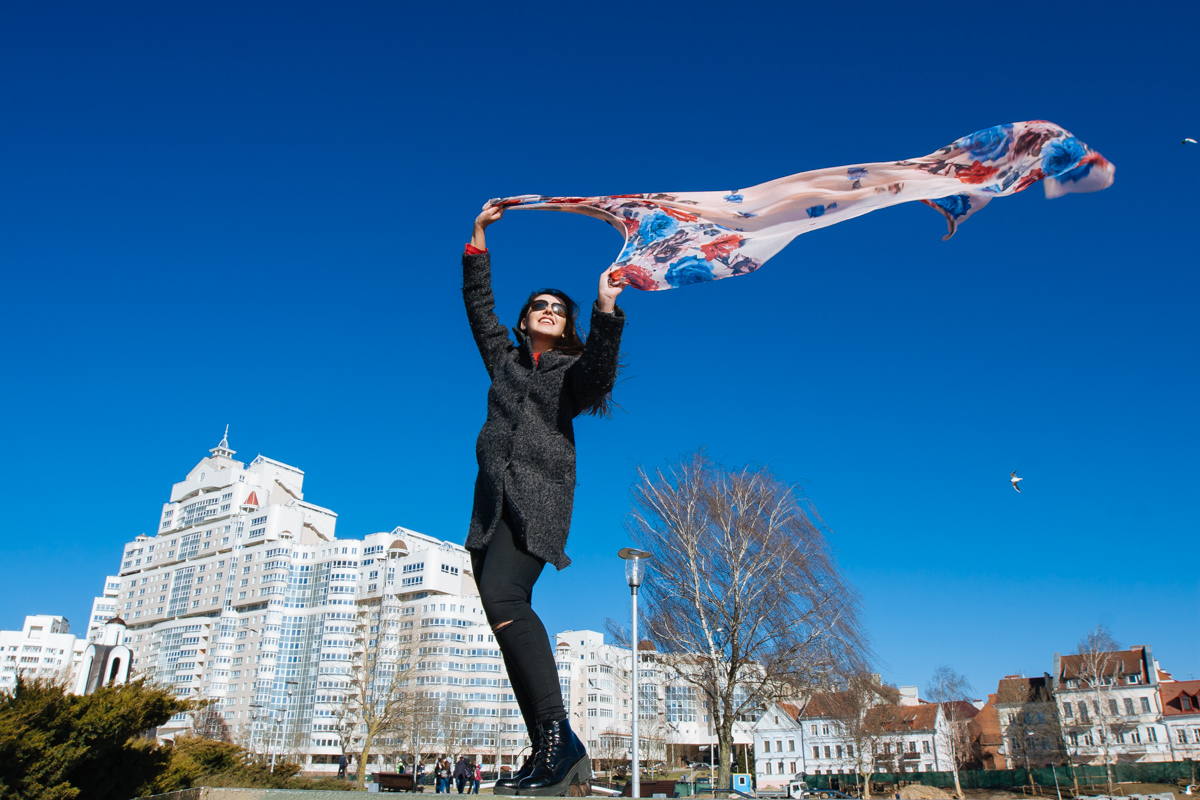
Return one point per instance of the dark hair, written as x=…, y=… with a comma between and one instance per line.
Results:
x=570, y=342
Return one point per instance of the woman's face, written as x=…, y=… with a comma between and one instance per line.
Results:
x=544, y=321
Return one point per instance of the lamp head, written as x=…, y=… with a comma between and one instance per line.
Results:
x=635, y=565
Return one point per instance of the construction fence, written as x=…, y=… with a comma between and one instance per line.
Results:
x=1090, y=775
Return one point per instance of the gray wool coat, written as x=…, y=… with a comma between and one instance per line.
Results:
x=526, y=449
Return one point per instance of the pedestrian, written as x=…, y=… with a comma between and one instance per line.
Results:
x=419, y=775
x=342, y=766
x=461, y=774
x=437, y=776
x=444, y=773
x=525, y=488
x=478, y=778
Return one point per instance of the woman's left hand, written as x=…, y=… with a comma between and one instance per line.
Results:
x=610, y=287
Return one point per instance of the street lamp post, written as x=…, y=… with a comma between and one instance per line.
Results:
x=635, y=571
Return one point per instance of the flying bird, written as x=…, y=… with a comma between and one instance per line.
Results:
x=1013, y=480
x=1189, y=141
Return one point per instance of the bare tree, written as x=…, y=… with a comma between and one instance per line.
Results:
x=209, y=723
x=865, y=710
x=1029, y=726
x=952, y=691
x=1100, y=667
x=746, y=602
x=379, y=698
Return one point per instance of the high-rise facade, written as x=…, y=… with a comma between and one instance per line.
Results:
x=245, y=598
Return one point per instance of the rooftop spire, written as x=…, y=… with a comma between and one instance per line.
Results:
x=222, y=449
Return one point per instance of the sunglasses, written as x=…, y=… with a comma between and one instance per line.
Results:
x=557, y=309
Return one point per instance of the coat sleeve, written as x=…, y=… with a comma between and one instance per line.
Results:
x=491, y=337
x=592, y=376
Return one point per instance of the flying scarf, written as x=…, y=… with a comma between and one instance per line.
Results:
x=682, y=238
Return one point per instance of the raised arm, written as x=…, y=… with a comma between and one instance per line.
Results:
x=491, y=337
x=594, y=374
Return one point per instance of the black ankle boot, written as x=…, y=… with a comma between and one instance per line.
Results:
x=509, y=785
x=563, y=761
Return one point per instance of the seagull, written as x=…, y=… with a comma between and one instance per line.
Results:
x=1013, y=480
x=1189, y=141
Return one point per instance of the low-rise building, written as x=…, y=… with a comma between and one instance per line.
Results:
x=1180, y=703
x=1109, y=706
x=779, y=744
x=1029, y=732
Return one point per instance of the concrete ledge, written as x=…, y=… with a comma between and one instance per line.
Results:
x=211, y=793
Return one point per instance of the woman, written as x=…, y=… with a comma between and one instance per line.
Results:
x=526, y=486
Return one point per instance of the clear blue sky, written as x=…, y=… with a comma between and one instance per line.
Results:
x=252, y=214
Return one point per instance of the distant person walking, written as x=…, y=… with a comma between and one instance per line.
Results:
x=462, y=773
x=478, y=779
x=342, y=765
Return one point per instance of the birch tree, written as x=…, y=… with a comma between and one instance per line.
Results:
x=745, y=600
x=1100, y=667
x=951, y=691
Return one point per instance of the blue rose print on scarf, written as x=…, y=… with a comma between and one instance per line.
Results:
x=655, y=227
x=955, y=205
x=689, y=270
x=1074, y=175
x=733, y=197
x=817, y=211
x=1061, y=155
x=989, y=143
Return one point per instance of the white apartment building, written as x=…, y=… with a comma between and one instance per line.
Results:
x=674, y=723
x=43, y=648
x=104, y=608
x=1117, y=711
x=244, y=596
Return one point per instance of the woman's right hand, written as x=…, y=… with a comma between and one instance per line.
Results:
x=486, y=217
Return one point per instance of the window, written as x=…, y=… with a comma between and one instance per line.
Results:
x=791, y=745
x=1129, y=706
x=849, y=751
x=828, y=754
x=778, y=745
x=1185, y=702
x=766, y=745
x=814, y=729
x=925, y=746
x=816, y=750
x=1145, y=705
x=1152, y=734
x=1083, y=715
x=912, y=747
x=1133, y=678
x=1135, y=736
x=1181, y=736
x=1112, y=707
x=768, y=766
x=838, y=750
x=825, y=729
x=1068, y=712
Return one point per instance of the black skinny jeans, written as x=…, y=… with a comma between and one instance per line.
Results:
x=505, y=575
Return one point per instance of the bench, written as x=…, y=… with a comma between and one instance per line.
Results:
x=396, y=782
x=651, y=788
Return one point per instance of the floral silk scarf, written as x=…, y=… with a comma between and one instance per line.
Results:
x=682, y=238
